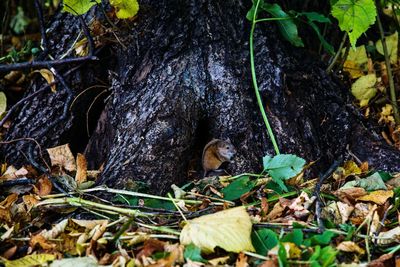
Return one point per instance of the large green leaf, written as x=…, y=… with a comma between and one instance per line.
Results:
x=264, y=240
x=237, y=188
x=313, y=17
x=193, y=253
x=354, y=16
x=287, y=27
x=283, y=167
x=79, y=7
x=125, y=8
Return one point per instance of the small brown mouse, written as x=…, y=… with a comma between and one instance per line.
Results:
x=215, y=153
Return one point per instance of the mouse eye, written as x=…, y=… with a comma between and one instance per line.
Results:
x=227, y=147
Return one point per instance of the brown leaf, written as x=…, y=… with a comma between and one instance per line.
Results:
x=43, y=186
x=42, y=242
x=349, y=195
x=81, y=171
x=175, y=256
x=350, y=246
x=9, y=252
x=150, y=246
x=241, y=260
x=276, y=212
x=345, y=210
x=9, y=201
x=386, y=260
x=62, y=156
x=29, y=201
x=270, y=263
x=49, y=77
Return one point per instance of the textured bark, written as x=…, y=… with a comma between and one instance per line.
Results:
x=184, y=79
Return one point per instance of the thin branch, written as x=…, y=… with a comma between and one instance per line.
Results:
x=44, y=42
x=45, y=64
x=388, y=68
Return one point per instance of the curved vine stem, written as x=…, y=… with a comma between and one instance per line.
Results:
x=254, y=77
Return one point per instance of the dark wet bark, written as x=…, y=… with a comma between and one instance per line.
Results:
x=183, y=79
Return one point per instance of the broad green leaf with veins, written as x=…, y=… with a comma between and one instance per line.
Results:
x=78, y=7
x=125, y=8
x=354, y=16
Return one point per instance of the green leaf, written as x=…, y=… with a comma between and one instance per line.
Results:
x=193, y=253
x=327, y=46
x=316, y=253
x=19, y=21
x=282, y=255
x=263, y=240
x=78, y=7
x=3, y=103
x=370, y=183
x=282, y=167
x=238, y=187
x=354, y=16
x=125, y=8
x=328, y=256
x=314, y=16
x=30, y=260
x=296, y=236
x=159, y=204
x=322, y=239
x=287, y=27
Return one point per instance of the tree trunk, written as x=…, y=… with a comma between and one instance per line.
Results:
x=180, y=76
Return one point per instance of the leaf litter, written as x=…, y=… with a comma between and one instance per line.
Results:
x=245, y=220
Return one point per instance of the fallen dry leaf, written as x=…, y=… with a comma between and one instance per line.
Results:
x=241, y=260
x=49, y=77
x=229, y=229
x=379, y=197
x=345, y=211
x=349, y=195
x=350, y=246
x=44, y=186
x=81, y=171
x=62, y=156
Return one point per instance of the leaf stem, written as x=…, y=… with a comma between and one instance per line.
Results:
x=254, y=79
x=393, y=97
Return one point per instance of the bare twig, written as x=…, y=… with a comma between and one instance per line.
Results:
x=44, y=42
x=388, y=68
x=44, y=64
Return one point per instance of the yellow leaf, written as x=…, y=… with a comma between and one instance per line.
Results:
x=364, y=88
x=30, y=260
x=351, y=167
x=379, y=197
x=391, y=43
x=3, y=103
x=356, y=61
x=125, y=8
x=49, y=77
x=229, y=229
x=386, y=114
